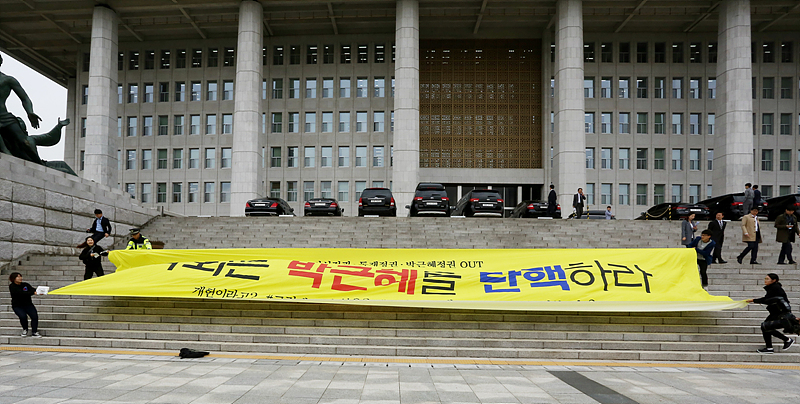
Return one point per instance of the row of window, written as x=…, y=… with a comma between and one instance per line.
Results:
x=677, y=159
x=677, y=51
x=209, y=193
x=326, y=156
x=625, y=87
x=198, y=57
x=658, y=192
x=676, y=123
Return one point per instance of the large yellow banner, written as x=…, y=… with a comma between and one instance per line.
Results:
x=540, y=279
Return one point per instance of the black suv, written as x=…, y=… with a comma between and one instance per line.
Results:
x=480, y=202
x=430, y=199
x=376, y=201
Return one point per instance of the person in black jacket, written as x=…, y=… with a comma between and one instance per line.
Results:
x=717, y=228
x=551, y=202
x=91, y=258
x=774, y=290
x=22, y=305
x=101, y=226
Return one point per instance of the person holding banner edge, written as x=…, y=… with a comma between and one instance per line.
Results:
x=703, y=245
x=774, y=291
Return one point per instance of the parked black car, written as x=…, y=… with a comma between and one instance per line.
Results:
x=534, y=209
x=377, y=201
x=731, y=206
x=676, y=211
x=267, y=207
x=429, y=199
x=322, y=207
x=778, y=204
x=480, y=202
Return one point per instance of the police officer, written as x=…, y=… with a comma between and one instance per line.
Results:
x=138, y=242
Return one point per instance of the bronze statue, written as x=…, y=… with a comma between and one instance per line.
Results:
x=14, y=139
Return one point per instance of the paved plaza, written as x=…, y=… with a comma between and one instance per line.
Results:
x=154, y=377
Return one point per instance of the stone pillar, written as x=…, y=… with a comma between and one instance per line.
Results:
x=246, y=174
x=733, y=144
x=405, y=172
x=569, y=140
x=101, y=110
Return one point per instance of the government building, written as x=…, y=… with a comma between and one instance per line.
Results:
x=197, y=106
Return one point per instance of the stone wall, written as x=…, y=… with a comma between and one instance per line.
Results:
x=43, y=210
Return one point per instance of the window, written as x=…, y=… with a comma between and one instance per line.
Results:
x=309, y=155
x=641, y=122
x=641, y=194
x=589, y=194
x=343, y=188
x=766, y=160
x=274, y=189
x=712, y=52
x=326, y=156
x=361, y=87
x=677, y=87
x=211, y=124
x=605, y=122
x=130, y=188
x=194, y=189
x=659, y=156
x=312, y=53
x=308, y=190
x=712, y=89
x=605, y=194
x=85, y=95
x=766, y=124
x=624, y=52
x=361, y=121
x=786, y=124
x=344, y=156
x=133, y=93
x=227, y=90
x=605, y=158
x=677, y=124
x=768, y=55
x=165, y=59
x=325, y=189
x=344, y=121
x=379, y=87
x=641, y=52
x=677, y=159
x=624, y=87
x=624, y=159
x=694, y=88
x=360, y=186
x=294, y=122
x=754, y=87
x=605, y=87
x=208, y=192
x=180, y=59
x=694, y=193
x=147, y=190
x=766, y=191
x=660, y=52
x=177, y=159
x=211, y=93
x=132, y=124
x=363, y=53
x=588, y=52
x=641, y=87
x=277, y=122
x=229, y=57
x=786, y=88
x=786, y=52
x=195, y=91
x=161, y=155
x=130, y=159
x=197, y=58
x=227, y=124
x=694, y=159
x=344, y=87
x=194, y=158
x=361, y=156
x=213, y=57
x=275, y=157
x=327, y=54
x=694, y=124
x=641, y=159
x=624, y=122
x=377, y=156
x=590, y=157
x=624, y=194
x=785, y=163
x=177, y=192
x=210, y=158
x=677, y=193
x=224, y=192
x=677, y=52
x=784, y=190
x=311, y=88
x=327, y=122
x=768, y=89
x=658, y=123
x=346, y=54
x=163, y=92
x=659, y=87
x=311, y=122
x=277, y=55
x=712, y=119
x=277, y=89
x=133, y=63
x=292, y=154
x=695, y=52
x=378, y=118
x=327, y=87
x=83, y=127
x=161, y=192
x=710, y=159
x=380, y=53
x=194, y=124
x=148, y=92
x=225, y=157
x=588, y=122
x=180, y=91
x=607, y=52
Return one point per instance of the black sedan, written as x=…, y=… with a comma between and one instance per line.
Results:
x=322, y=207
x=778, y=204
x=534, y=209
x=376, y=201
x=676, y=211
x=480, y=202
x=731, y=206
x=267, y=207
x=430, y=199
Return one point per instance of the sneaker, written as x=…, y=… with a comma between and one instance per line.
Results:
x=36, y=335
x=788, y=344
x=739, y=260
x=24, y=333
x=765, y=351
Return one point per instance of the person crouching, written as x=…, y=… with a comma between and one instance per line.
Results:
x=704, y=246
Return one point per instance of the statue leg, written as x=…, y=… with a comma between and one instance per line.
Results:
x=16, y=141
x=3, y=148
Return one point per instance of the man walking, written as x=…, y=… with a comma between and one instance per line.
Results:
x=717, y=228
x=751, y=234
x=577, y=203
x=749, y=195
x=551, y=201
x=787, y=228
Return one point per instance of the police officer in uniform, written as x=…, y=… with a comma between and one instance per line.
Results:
x=138, y=242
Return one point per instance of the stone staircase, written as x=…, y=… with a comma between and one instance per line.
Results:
x=330, y=329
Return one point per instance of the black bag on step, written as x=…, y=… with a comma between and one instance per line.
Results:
x=191, y=353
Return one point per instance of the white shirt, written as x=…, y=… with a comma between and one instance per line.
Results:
x=756, y=219
x=99, y=226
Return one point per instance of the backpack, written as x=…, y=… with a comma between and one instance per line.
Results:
x=191, y=353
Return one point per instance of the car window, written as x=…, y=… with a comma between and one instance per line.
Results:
x=485, y=194
x=428, y=194
x=376, y=193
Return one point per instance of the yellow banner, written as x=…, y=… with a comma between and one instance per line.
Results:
x=540, y=279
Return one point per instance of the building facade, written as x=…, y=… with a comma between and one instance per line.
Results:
x=643, y=103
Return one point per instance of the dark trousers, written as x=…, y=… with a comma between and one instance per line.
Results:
x=752, y=248
x=23, y=313
x=98, y=236
x=96, y=270
x=786, y=252
x=717, y=255
x=578, y=211
x=703, y=274
x=769, y=329
x=551, y=209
